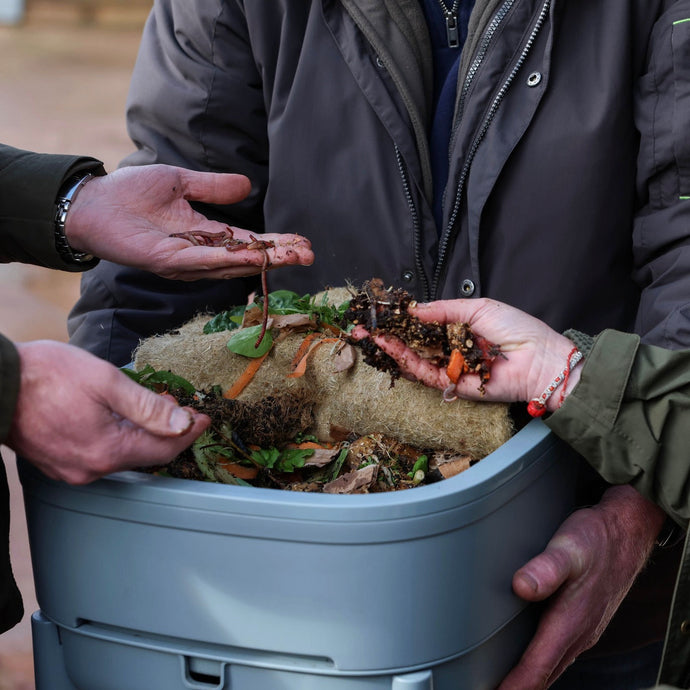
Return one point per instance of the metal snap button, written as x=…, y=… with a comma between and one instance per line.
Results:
x=685, y=627
x=408, y=276
x=467, y=287
x=379, y=62
x=534, y=79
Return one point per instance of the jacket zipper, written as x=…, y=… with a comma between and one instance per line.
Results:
x=419, y=264
x=491, y=29
x=479, y=58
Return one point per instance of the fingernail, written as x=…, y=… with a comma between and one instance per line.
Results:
x=530, y=582
x=180, y=420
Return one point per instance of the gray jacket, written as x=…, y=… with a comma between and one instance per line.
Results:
x=569, y=160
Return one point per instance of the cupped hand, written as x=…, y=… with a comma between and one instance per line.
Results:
x=533, y=352
x=78, y=417
x=128, y=216
x=585, y=572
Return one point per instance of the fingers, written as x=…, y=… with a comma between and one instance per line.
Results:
x=214, y=188
x=553, y=648
x=419, y=369
x=451, y=311
x=288, y=250
x=558, y=637
x=156, y=414
x=140, y=448
x=582, y=589
x=412, y=364
x=189, y=262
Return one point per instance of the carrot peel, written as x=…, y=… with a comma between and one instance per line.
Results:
x=456, y=365
x=301, y=367
x=303, y=348
x=245, y=378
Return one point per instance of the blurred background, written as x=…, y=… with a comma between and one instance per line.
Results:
x=64, y=76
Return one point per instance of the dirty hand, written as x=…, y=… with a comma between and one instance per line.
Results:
x=586, y=570
x=534, y=353
x=128, y=215
x=78, y=417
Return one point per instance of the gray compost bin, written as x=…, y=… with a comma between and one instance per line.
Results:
x=149, y=583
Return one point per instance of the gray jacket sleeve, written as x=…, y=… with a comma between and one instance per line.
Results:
x=628, y=416
x=196, y=98
x=661, y=235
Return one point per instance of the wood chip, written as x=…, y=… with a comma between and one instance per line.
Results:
x=353, y=482
x=449, y=465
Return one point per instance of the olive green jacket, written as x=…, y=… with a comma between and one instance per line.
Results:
x=629, y=416
x=29, y=185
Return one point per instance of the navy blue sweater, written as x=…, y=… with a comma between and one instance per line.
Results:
x=446, y=62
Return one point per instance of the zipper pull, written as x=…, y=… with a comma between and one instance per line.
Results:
x=452, y=31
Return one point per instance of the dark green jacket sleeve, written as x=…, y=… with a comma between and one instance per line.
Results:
x=9, y=384
x=29, y=185
x=629, y=416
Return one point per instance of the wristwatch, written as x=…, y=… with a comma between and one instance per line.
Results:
x=66, y=196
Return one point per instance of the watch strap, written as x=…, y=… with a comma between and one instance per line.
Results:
x=68, y=193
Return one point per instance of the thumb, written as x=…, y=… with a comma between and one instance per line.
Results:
x=215, y=188
x=158, y=414
x=538, y=579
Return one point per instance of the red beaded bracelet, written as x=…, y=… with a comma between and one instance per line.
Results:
x=537, y=406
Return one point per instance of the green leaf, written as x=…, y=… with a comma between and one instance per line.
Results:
x=157, y=380
x=301, y=437
x=205, y=451
x=226, y=320
x=421, y=464
x=293, y=458
x=202, y=455
x=284, y=302
x=337, y=464
x=281, y=302
x=287, y=460
x=243, y=342
x=266, y=457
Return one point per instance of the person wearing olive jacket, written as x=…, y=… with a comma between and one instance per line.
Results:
x=625, y=408
x=70, y=413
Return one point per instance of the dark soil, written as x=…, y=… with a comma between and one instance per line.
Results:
x=384, y=311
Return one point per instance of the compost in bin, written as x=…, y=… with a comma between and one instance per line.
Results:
x=298, y=404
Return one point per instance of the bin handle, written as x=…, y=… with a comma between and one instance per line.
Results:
x=204, y=674
x=420, y=680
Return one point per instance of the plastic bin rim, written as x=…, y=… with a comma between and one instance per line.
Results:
x=515, y=457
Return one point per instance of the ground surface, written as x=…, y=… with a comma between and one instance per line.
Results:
x=64, y=85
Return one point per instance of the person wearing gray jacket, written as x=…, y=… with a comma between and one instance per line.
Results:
x=532, y=151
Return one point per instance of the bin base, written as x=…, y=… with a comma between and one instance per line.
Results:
x=92, y=657
x=49, y=663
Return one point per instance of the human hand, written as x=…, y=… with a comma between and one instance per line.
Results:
x=78, y=417
x=534, y=353
x=586, y=570
x=128, y=217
